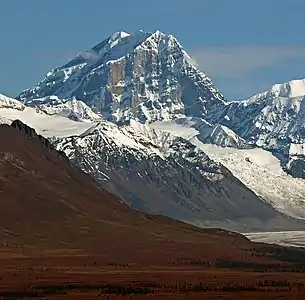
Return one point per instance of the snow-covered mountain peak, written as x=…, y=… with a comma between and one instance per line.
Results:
x=291, y=89
x=145, y=76
x=122, y=43
x=288, y=90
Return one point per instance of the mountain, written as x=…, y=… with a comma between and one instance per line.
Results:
x=274, y=120
x=270, y=118
x=72, y=109
x=7, y=102
x=142, y=76
x=63, y=211
x=149, y=79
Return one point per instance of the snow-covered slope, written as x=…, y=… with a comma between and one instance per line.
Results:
x=284, y=238
x=73, y=109
x=261, y=172
x=142, y=76
x=7, y=102
x=256, y=168
x=44, y=124
x=291, y=89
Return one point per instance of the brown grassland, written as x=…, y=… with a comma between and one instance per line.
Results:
x=80, y=277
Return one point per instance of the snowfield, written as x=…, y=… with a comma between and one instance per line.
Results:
x=284, y=238
x=261, y=172
x=46, y=125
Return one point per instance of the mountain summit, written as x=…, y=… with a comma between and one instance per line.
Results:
x=291, y=89
x=143, y=76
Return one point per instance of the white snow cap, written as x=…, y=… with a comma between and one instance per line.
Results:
x=291, y=89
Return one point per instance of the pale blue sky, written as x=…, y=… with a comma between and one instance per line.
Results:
x=243, y=45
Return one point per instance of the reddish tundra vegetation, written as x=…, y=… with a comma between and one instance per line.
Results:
x=62, y=237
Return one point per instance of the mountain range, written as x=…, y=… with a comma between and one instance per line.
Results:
x=63, y=211
x=136, y=114
x=62, y=233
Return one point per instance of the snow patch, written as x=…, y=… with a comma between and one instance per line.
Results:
x=284, y=238
x=46, y=125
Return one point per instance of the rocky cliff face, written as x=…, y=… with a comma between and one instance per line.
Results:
x=143, y=76
x=31, y=134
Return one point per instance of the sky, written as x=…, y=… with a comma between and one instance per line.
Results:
x=245, y=46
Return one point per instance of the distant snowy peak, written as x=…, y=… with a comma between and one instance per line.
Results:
x=273, y=120
x=118, y=36
x=270, y=119
x=142, y=76
x=72, y=109
x=291, y=89
x=7, y=103
x=222, y=136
